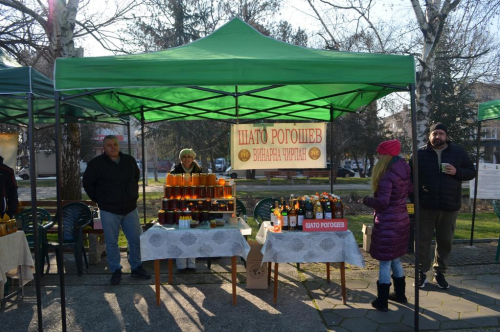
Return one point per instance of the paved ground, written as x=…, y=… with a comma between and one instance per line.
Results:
x=306, y=302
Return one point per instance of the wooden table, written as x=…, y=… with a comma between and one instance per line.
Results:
x=159, y=243
x=306, y=247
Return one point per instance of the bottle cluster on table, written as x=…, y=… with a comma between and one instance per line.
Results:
x=290, y=215
x=194, y=197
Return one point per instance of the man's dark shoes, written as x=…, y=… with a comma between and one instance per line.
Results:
x=191, y=269
x=441, y=281
x=422, y=279
x=116, y=277
x=140, y=273
x=182, y=271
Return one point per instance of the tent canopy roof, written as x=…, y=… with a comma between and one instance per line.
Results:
x=236, y=65
x=16, y=81
x=489, y=110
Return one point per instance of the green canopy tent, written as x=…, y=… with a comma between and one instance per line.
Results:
x=489, y=110
x=237, y=75
x=26, y=99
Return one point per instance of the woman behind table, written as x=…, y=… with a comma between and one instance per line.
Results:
x=187, y=165
x=391, y=186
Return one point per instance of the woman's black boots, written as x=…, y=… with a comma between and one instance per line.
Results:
x=380, y=303
x=399, y=290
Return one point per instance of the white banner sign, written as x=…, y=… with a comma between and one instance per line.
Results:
x=488, y=183
x=278, y=145
x=8, y=148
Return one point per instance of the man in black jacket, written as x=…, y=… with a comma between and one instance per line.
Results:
x=442, y=166
x=8, y=191
x=111, y=180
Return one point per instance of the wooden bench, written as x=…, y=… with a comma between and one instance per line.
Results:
x=290, y=175
x=97, y=245
x=316, y=174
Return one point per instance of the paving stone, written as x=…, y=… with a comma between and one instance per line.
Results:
x=324, y=305
x=312, y=285
x=491, y=292
x=331, y=318
x=471, y=284
x=425, y=323
x=394, y=327
x=353, y=284
x=384, y=317
x=480, y=299
x=317, y=294
x=349, y=312
x=493, y=311
x=462, y=306
x=455, y=325
x=441, y=314
x=479, y=319
x=427, y=302
x=359, y=324
x=444, y=296
x=491, y=278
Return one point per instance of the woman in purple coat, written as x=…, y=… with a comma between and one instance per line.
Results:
x=391, y=186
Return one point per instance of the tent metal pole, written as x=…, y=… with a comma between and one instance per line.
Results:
x=60, y=252
x=144, y=165
x=475, y=183
x=129, y=142
x=236, y=106
x=416, y=200
x=38, y=269
x=331, y=149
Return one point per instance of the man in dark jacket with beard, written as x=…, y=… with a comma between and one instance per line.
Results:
x=442, y=166
x=111, y=180
x=8, y=191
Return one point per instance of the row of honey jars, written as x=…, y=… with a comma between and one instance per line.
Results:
x=194, y=179
x=200, y=205
x=172, y=217
x=7, y=227
x=195, y=192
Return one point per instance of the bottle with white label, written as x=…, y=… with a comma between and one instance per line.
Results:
x=318, y=211
x=328, y=210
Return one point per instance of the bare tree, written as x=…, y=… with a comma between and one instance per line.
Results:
x=36, y=34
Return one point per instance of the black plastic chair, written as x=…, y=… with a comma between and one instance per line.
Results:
x=44, y=223
x=241, y=210
x=75, y=216
x=496, y=208
x=262, y=212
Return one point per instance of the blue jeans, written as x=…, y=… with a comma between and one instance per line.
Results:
x=384, y=273
x=132, y=228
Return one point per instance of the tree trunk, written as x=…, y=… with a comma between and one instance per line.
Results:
x=70, y=146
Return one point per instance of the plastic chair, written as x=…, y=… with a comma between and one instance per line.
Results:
x=76, y=216
x=241, y=210
x=261, y=212
x=496, y=208
x=44, y=223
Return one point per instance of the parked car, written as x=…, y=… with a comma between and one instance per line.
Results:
x=345, y=173
x=164, y=166
x=242, y=174
x=220, y=165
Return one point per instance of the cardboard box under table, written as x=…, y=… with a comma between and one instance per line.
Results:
x=309, y=247
x=256, y=271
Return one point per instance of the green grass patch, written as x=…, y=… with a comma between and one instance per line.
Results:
x=39, y=183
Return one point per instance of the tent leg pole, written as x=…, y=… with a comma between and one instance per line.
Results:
x=331, y=149
x=60, y=252
x=144, y=165
x=31, y=144
x=475, y=183
x=129, y=141
x=416, y=197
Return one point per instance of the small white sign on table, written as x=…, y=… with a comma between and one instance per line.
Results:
x=487, y=186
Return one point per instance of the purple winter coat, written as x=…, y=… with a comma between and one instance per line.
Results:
x=392, y=223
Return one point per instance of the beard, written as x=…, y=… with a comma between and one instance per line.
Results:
x=436, y=142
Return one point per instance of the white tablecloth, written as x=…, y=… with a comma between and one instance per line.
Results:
x=15, y=253
x=160, y=242
x=310, y=247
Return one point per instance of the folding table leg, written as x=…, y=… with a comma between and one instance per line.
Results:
x=328, y=272
x=170, y=274
x=157, y=280
x=275, y=283
x=233, y=277
x=342, y=281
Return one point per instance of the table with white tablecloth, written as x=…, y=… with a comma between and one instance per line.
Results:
x=309, y=247
x=160, y=242
x=15, y=259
